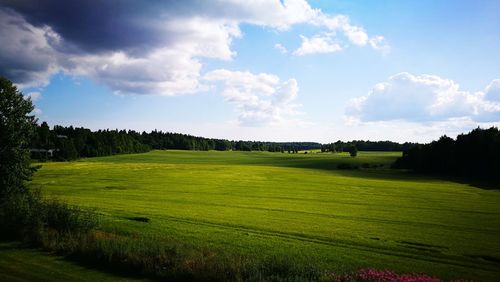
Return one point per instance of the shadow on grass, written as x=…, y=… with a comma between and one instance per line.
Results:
x=87, y=263
x=482, y=184
x=381, y=170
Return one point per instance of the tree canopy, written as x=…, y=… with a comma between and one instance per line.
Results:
x=16, y=129
x=473, y=155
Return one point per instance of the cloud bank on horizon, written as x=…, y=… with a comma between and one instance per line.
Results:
x=168, y=48
x=425, y=98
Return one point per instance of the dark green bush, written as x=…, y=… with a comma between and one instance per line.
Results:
x=66, y=218
x=27, y=216
x=20, y=216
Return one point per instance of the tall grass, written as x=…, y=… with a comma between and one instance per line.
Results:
x=148, y=257
x=30, y=217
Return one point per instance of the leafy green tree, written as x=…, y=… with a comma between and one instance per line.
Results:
x=44, y=136
x=353, y=151
x=16, y=129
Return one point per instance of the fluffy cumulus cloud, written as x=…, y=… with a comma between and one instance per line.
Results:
x=317, y=45
x=34, y=53
x=259, y=98
x=424, y=98
x=338, y=24
x=155, y=47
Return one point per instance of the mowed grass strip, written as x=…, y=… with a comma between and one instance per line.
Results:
x=21, y=264
x=263, y=204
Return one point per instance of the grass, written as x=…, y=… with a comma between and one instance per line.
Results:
x=296, y=208
x=21, y=264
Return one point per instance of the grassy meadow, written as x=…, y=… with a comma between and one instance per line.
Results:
x=299, y=209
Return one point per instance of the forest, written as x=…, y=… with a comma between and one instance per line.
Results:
x=473, y=155
x=69, y=143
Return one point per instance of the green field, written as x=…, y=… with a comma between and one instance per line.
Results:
x=271, y=205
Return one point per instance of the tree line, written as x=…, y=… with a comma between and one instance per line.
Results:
x=473, y=155
x=363, y=145
x=69, y=143
x=167, y=140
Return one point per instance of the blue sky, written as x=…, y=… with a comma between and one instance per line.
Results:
x=259, y=70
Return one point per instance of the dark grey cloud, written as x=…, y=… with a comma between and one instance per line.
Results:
x=99, y=25
x=133, y=46
x=26, y=54
x=139, y=49
x=136, y=26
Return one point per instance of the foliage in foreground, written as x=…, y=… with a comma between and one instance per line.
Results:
x=31, y=218
x=16, y=129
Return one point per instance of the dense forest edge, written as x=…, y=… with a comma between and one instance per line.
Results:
x=475, y=155
x=69, y=143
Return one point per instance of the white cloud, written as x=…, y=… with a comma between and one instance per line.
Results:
x=280, y=48
x=168, y=71
x=379, y=43
x=165, y=72
x=26, y=52
x=269, y=13
x=317, y=45
x=356, y=34
x=283, y=14
x=338, y=23
x=31, y=57
x=260, y=99
x=422, y=98
x=34, y=96
x=492, y=92
x=172, y=64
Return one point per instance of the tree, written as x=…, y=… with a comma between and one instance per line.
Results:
x=16, y=129
x=353, y=151
x=475, y=155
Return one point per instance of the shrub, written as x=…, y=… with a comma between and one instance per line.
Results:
x=66, y=218
x=353, y=151
x=28, y=216
x=20, y=216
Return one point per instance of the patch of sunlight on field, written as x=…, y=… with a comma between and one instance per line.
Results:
x=266, y=204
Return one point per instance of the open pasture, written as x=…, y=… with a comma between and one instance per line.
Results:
x=296, y=207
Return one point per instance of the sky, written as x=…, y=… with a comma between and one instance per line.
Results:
x=268, y=70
